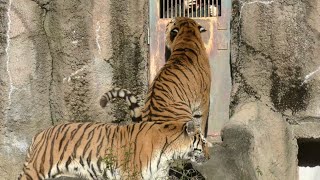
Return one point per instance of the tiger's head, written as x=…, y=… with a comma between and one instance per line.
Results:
x=199, y=151
x=182, y=25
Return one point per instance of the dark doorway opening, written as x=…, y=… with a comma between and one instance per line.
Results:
x=309, y=159
x=309, y=152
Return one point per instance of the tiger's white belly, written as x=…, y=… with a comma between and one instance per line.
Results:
x=75, y=169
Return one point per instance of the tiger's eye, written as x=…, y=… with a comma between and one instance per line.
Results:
x=173, y=33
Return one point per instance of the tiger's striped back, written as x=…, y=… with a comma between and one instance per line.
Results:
x=181, y=89
x=85, y=149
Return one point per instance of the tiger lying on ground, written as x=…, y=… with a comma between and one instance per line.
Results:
x=181, y=89
x=99, y=150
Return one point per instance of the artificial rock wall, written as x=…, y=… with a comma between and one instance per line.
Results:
x=275, y=92
x=57, y=58
x=275, y=55
x=275, y=102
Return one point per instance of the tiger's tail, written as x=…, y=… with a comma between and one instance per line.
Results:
x=135, y=110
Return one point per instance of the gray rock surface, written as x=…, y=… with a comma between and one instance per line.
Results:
x=275, y=55
x=275, y=93
x=57, y=58
x=257, y=144
x=275, y=68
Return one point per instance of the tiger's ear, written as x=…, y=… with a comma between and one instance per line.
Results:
x=192, y=128
x=202, y=29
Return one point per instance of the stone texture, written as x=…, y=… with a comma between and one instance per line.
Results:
x=275, y=55
x=257, y=144
x=275, y=71
x=25, y=73
x=56, y=60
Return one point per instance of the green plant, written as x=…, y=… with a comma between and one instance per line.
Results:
x=259, y=171
x=110, y=160
x=179, y=169
x=183, y=170
x=113, y=164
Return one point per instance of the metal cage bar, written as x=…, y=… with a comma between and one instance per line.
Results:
x=167, y=9
x=171, y=9
x=163, y=9
x=192, y=8
x=180, y=7
x=176, y=8
x=189, y=8
x=204, y=8
x=197, y=9
x=211, y=6
x=219, y=7
x=200, y=4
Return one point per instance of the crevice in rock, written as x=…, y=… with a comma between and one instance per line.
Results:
x=244, y=88
x=44, y=4
x=45, y=8
x=4, y=88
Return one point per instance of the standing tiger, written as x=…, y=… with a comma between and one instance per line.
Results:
x=100, y=150
x=181, y=89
